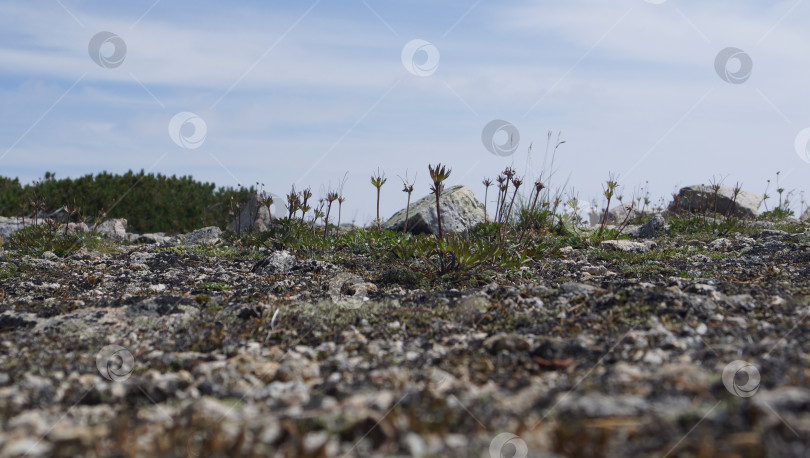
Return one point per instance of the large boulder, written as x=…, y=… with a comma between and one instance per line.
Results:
x=618, y=214
x=157, y=238
x=651, y=228
x=254, y=216
x=112, y=228
x=279, y=262
x=9, y=226
x=701, y=198
x=461, y=210
x=77, y=228
x=206, y=236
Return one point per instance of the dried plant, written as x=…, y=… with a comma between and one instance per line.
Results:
x=408, y=188
x=70, y=208
x=550, y=169
x=779, y=189
x=608, y=190
x=765, y=195
x=268, y=202
x=715, y=186
x=264, y=200
x=306, y=194
x=293, y=203
x=735, y=193
x=317, y=214
x=37, y=202
x=487, y=183
x=330, y=198
x=508, y=173
x=516, y=182
x=438, y=175
x=378, y=181
x=538, y=186
x=501, y=192
x=341, y=198
x=236, y=211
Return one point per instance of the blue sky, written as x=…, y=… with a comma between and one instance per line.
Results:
x=305, y=92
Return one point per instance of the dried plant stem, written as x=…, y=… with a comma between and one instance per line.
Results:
x=378, y=210
x=407, y=214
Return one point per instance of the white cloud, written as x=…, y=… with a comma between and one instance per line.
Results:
x=625, y=98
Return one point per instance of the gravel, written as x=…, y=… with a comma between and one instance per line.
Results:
x=684, y=347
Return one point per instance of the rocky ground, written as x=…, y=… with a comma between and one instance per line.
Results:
x=690, y=344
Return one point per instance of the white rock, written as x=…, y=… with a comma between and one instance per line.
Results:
x=76, y=228
x=415, y=445
x=720, y=244
x=113, y=228
x=278, y=262
x=207, y=235
x=461, y=211
x=27, y=446
x=157, y=288
x=628, y=246
x=254, y=216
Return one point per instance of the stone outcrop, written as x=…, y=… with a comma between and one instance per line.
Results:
x=207, y=235
x=461, y=211
x=77, y=228
x=9, y=226
x=279, y=262
x=701, y=198
x=113, y=228
x=628, y=246
x=651, y=228
x=618, y=214
x=152, y=239
x=254, y=216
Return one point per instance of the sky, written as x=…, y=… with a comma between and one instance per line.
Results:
x=660, y=93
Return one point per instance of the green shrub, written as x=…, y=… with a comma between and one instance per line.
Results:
x=149, y=202
x=36, y=240
x=777, y=214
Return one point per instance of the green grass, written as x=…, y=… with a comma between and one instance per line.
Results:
x=224, y=251
x=36, y=240
x=776, y=215
x=648, y=268
x=699, y=228
x=214, y=287
x=657, y=254
x=8, y=270
x=94, y=241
